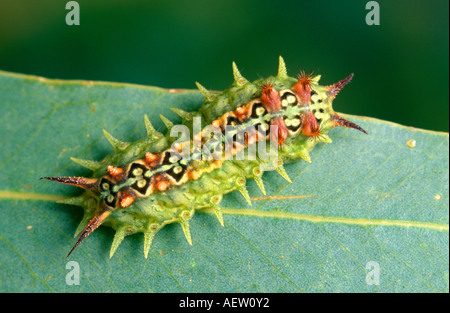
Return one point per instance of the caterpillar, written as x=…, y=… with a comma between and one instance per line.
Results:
x=237, y=134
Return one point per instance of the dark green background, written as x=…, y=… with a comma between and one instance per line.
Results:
x=401, y=67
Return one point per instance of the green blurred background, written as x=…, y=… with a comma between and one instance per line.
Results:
x=401, y=67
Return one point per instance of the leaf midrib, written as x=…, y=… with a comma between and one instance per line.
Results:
x=6, y=194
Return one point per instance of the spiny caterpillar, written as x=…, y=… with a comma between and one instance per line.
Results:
x=159, y=180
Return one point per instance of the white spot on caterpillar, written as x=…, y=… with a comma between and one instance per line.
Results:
x=137, y=172
x=292, y=122
x=177, y=169
x=291, y=99
x=259, y=112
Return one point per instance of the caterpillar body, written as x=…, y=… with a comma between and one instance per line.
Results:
x=144, y=185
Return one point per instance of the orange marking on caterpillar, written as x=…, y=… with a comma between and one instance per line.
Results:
x=177, y=146
x=303, y=88
x=282, y=132
x=310, y=127
x=161, y=183
x=114, y=171
x=216, y=123
x=194, y=174
x=126, y=200
x=241, y=113
x=150, y=157
x=270, y=98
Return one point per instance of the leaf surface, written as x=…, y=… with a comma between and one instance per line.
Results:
x=370, y=214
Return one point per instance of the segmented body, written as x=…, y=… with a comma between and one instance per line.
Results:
x=158, y=180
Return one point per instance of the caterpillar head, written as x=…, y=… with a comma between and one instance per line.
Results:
x=320, y=117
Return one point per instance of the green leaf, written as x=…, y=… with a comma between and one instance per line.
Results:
x=365, y=201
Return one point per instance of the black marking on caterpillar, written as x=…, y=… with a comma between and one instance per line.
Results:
x=165, y=186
